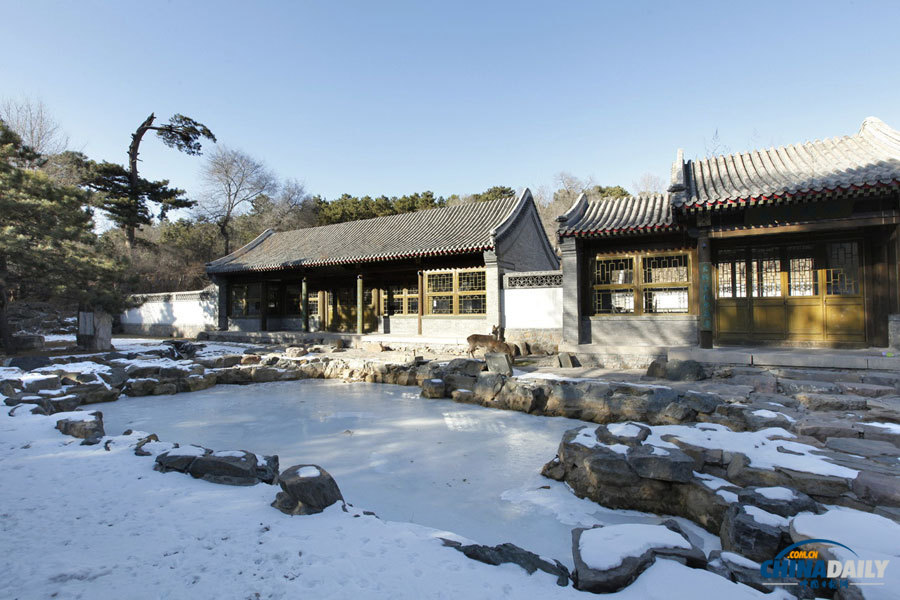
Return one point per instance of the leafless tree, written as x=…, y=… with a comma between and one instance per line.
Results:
x=291, y=208
x=233, y=181
x=648, y=183
x=31, y=119
x=715, y=146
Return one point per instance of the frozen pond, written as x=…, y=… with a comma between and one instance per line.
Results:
x=462, y=468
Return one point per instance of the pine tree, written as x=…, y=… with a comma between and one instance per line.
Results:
x=47, y=245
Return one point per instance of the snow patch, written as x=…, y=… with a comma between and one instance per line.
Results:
x=776, y=493
x=308, y=472
x=766, y=518
x=606, y=547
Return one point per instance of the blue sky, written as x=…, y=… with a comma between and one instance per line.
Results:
x=397, y=97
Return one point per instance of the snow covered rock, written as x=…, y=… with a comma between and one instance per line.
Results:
x=228, y=467
x=664, y=464
x=38, y=382
x=465, y=366
x=306, y=490
x=510, y=553
x=753, y=532
x=28, y=363
x=778, y=500
x=433, y=388
x=295, y=351
x=87, y=426
x=608, y=559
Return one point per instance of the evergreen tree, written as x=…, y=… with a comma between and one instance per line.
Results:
x=47, y=245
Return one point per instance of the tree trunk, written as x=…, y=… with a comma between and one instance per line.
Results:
x=5, y=333
x=226, y=236
x=133, y=172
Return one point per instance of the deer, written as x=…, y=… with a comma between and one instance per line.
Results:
x=491, y=343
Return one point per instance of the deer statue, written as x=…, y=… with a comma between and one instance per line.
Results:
x=491, y=343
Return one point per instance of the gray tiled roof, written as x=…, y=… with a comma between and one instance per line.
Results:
x=869, y=159
x=617, y=216
x=438, y=231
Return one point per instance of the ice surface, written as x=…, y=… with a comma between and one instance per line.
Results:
x=892, y=427
x=606, y=547
x=432, y=462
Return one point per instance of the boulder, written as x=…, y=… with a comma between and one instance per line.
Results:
x=739, y=569
x=63, y=403
x=465, y=366
x=702, y=402
x=466, y=396
x=610, y=558
x=434, y=388
x=237, y=467
x=89, y=427
x=295, y=351
x=663, y=464
x=877, y=488
x=140, y=387
x=250, y=359
x=29, y=363
x=179, y=459
x=36, y=383
x=565, y=360
x=657, y=369
x=684, y=370
x=510, y=553
x=456, y=381
x=778, y=500
x=94, y=393
x=306, y=490
x=372, y=347
x=627, y=434
x=165, y=389
x=27, y=342
x=264, y=374
x=499, y=362
x=487, y=386
x=745, y=535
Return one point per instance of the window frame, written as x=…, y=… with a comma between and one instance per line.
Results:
x=455, y=293
x=638, y=287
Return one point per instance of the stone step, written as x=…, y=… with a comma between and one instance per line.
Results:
x=800, y=386
x=870, y=390
x=881, y=378
x=819, y=401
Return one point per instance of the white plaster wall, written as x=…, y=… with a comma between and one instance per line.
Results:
x=533, y=308
x=170, y=314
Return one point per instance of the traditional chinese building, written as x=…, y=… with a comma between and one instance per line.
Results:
x=795, y=245
x=434, y=272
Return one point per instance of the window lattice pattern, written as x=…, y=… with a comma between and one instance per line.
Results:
x=440, y=282
x=614, y=271
x=842, y=275
x=313, y=303
x=471, y=281
x=766, y=274
x=666, y=300
x=613, y=301
x=473, y=304
x=441, y=305
x=533, y=280
x=803, y=278
x=666, y=269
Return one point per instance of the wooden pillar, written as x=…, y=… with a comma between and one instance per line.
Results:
x=877, y=294
x=264, y=306
x=323, y=309
x=421, y=300
x=704, y=254
x=359, y=304
x=334, y=308
x=304, y=305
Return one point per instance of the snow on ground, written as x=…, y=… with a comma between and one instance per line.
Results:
x=59, y=337
x=870, y=537
x=87, y=522
x=606, y=547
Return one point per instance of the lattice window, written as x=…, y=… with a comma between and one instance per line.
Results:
x=533, y=280
x=803, y=275
x=666, y=300
x=614, y=271
x=731, y=274
x=608, y=301
x=766, y=273
x=312, y=303
x=842, y=275
x=457, y=292
x=440, y=282
x=400, y=300
x=246, y=300
x=666, y=269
